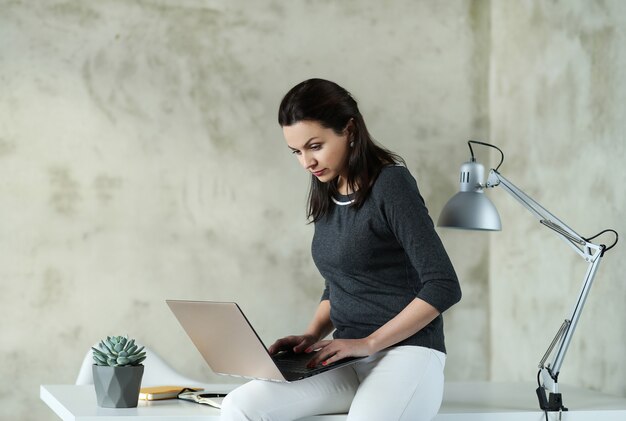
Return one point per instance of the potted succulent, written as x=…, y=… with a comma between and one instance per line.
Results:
x=117, y=372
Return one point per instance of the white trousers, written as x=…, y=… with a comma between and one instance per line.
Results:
x=403, y=383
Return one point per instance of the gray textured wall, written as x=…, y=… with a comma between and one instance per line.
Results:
x=141, y=160
x=557, y=104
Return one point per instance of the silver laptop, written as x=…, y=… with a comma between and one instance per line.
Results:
x=230, y=345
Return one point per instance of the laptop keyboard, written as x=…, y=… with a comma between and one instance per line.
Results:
x=293, y=363
x=293, y=366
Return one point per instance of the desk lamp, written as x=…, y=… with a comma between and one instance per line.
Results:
x=471, y=209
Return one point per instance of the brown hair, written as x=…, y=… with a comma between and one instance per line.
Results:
x=333, y=107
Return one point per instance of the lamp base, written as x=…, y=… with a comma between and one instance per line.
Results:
x=554, y=403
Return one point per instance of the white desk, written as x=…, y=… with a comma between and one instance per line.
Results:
x=466, y=401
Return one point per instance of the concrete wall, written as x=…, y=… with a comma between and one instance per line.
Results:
x=140, y=160
x=557, y=106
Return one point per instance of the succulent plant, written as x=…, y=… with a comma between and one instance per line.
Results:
x=118, y=351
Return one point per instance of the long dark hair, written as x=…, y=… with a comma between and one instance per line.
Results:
x=333, y=107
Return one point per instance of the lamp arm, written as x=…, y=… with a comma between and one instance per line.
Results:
x=583, y=247
x=592, y=253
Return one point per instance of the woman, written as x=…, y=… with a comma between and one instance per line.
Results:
x=388, y=277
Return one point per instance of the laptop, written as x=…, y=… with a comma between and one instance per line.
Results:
x=231, y=346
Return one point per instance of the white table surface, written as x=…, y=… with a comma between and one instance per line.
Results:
x=463, y=401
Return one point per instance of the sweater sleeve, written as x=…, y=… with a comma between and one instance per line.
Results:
x=402, y=206
x=326, y=293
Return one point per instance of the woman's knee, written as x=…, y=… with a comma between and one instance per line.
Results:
x=244, y=404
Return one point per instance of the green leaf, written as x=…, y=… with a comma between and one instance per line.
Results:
x=97, y=351
x=129, y=344
x=137, y=357
x=107, y=346
x=101, y=359
x=123, y=360
x=111, y=347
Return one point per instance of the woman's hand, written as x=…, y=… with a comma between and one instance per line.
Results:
x=295, y=343
x=331, y=351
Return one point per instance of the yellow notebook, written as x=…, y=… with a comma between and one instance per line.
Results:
x=155, y=393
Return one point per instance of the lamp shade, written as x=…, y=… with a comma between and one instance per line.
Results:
x=470, y=208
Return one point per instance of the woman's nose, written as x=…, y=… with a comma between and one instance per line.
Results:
x=308, y=161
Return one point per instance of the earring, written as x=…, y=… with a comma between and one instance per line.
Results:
x=352, y=143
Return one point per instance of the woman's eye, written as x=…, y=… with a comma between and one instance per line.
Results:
x=295, y=152
x=315, y=146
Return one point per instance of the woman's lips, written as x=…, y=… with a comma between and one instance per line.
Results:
x=319, y=173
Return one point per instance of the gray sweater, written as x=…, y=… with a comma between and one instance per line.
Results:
x=378, y=258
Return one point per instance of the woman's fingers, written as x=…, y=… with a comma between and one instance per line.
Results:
x=303, y=345
x=338, y=349
x=280, y=345
x=295, y=343
x=318, y=345
x=325, y=351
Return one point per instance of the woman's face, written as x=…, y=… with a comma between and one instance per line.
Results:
x=319, y=150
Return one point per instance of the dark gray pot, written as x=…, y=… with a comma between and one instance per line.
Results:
x=117, y=387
